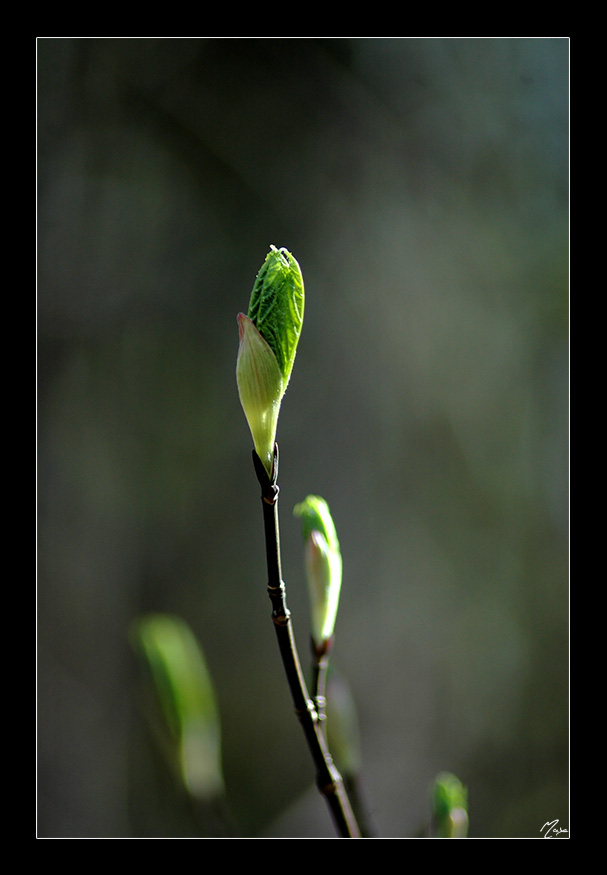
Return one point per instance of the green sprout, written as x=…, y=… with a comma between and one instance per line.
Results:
x=268, y=338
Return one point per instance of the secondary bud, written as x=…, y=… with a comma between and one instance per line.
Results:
x=323, y=566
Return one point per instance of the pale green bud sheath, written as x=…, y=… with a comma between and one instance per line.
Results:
x=323, y=565
x=269, y=335
x=317, y=559
x=260, y=387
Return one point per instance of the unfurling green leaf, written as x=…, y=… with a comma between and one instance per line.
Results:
x=276, y=307
x=323, y=565
x=268, y=342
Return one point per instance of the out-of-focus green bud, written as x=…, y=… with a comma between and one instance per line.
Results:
x=323, y=565
x=342, y=726
x=185, y=693
x=449, y=807
x=269, y=335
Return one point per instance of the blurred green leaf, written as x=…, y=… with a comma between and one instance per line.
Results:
x=449, y=807
x=343, y=730
x=186, y=697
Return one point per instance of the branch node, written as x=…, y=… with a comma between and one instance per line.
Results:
x=271, y=496
x=321, y=704
x=307, y=713
x=329, y=789
x=281, y=619
x=269, y=486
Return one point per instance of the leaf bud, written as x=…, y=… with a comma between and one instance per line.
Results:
x=323, y=564
x=268, y=338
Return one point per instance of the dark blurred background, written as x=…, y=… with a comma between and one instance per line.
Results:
x=422, y=184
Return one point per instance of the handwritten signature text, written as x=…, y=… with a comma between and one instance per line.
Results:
x=552, y=830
